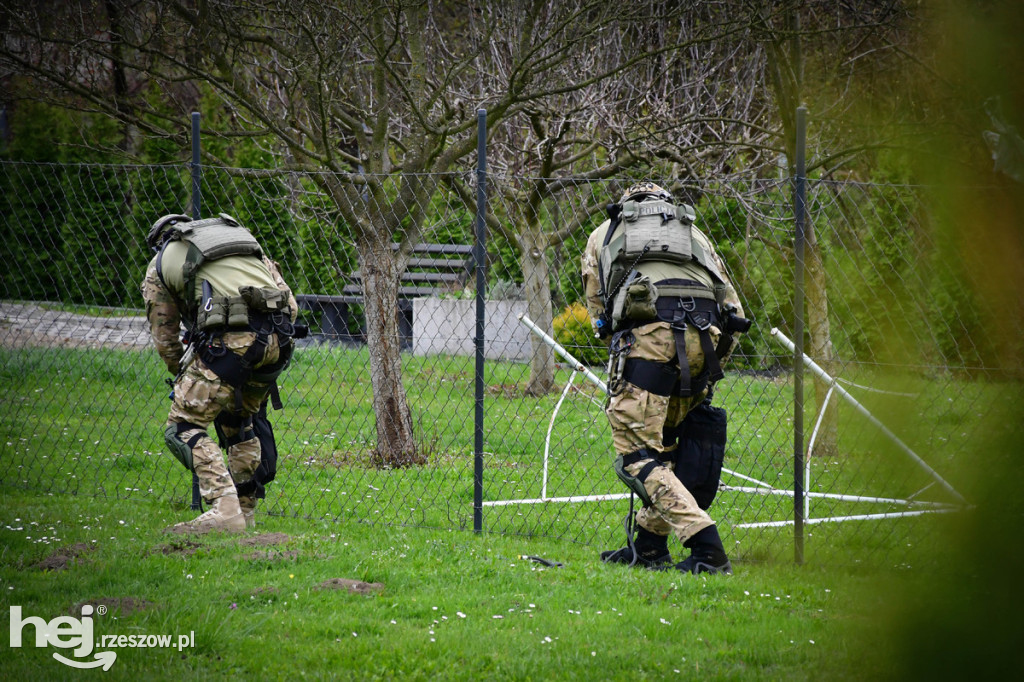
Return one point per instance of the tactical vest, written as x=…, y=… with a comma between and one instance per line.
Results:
x=215, y=269
x=647, y=243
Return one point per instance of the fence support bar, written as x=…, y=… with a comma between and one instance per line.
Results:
x=479, y=258
x=840, y=496
x=843, y=393
x=837, y=519
x=197, y=203
x=799, y=244
x=557, y=347
x=573, y=498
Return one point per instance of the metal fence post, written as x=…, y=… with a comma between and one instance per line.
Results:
x=799, y=208
x=479, y=258
x=196, y=206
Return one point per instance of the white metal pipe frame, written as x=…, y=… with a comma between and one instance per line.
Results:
x=762, y=488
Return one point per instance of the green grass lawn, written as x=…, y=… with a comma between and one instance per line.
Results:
x=90, y=422
x=449, y=605
x=86, y=490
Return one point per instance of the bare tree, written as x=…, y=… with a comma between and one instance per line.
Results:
x=829, y=55
x=670, y=112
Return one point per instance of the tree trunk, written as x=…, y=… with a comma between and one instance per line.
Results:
x=820, y=332
x=537, y=289
x=396, y=446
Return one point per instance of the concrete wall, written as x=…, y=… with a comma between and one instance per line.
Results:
x=447, y=326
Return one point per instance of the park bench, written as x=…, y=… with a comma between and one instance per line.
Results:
x=433, y=269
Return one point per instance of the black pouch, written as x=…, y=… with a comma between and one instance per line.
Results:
x=268, y=446
x=701, y=451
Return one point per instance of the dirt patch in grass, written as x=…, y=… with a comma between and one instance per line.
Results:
x=269, y=589
x=64, y=557
x=184, y=547
x=122, y=605
x=355, y=586
x=273, y=555
x=264, y=540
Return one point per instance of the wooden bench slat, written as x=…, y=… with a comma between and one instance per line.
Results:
x=420, y=276
x=443, y=263
x=464, y=249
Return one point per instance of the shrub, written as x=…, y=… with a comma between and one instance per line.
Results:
x=574, y=331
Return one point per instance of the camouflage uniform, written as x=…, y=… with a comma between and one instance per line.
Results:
x=638, y=417
x=200, y=395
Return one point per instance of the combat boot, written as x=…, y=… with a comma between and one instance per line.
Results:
x=248, y=505
x=707, y=555
x=224, y=514
x=651, y=551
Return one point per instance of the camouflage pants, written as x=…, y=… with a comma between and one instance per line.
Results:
x=199, y=396
x=638, y=419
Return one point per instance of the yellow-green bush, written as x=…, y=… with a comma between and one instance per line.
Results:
x=574, y=332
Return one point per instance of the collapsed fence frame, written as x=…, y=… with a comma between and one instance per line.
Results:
x=762, y=487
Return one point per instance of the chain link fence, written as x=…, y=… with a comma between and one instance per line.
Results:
x=888, y=317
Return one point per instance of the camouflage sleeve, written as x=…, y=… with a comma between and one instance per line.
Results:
x=725, y=293
x=164, y=319
x=275, y=272
x=591, y=274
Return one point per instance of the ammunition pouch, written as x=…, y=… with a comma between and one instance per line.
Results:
x=222, y=312
x=636, y=483
x=700, y=451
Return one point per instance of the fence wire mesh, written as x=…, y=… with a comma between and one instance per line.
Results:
x=888, y=316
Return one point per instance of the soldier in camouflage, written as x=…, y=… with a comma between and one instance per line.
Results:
x=232, y=360
x=654, y=383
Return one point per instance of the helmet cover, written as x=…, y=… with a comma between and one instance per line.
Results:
x=645, y=189
x=155, y=237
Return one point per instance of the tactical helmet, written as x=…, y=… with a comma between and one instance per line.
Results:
x=155, y=238
x=645, y=189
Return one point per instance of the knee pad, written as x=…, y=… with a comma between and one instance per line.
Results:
x=636, y=483
x=182, y=450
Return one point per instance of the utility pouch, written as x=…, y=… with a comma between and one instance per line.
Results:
x=641, y=300
x=264, y=300
x=636, y=301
